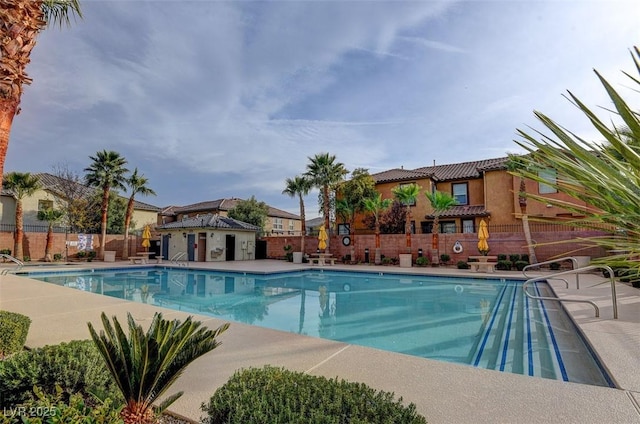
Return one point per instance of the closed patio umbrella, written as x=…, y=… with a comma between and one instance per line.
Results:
x=146, y=237
x=322, y=238
x=483, y=236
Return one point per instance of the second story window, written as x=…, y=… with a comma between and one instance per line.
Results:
x=461, y=193
x=549, y=175
x=45, y=204
x=291, y=225
x=277, y=224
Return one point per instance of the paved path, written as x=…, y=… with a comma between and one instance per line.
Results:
x=443, y=392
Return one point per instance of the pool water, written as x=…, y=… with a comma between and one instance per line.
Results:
x=486, y=323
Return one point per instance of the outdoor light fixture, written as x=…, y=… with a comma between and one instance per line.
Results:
x=184, y=235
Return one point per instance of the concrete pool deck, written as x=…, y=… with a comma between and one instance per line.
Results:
x=442, y=392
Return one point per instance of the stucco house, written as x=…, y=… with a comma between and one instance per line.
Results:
x=48, y=196
x=279, y=222
x=208, y=238
x=484, y=189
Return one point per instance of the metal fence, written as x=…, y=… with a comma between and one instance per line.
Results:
x=33, y=228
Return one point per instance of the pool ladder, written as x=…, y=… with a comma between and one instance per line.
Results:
x=176, y=259
x=18, y=262
x=576, y=271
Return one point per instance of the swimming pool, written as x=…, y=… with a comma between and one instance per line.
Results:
x=486, y=323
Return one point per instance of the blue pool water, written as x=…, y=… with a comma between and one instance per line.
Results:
x=486, y=323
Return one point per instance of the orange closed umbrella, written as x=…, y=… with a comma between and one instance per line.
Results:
x=483, y=236
x=322, y=238
x=146, y=237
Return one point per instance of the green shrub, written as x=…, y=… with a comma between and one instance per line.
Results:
x=57, y=257
x=26, y=259
x=13, y=332
x=422, y=261
x=521, y=264
x=463, y=265
x=524, y=257
x=55, y=408
x=502, y=257
x=386, y=261
x=504, y=265
x=444, y=258
x=275, y=395
x=514, y=258
x=75, y=366
x=91, y=255
x=81, y=254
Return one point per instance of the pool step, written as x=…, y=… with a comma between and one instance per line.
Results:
x=518, y=324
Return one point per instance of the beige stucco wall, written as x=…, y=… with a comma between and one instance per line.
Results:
x=212, y=240
x=142, y=218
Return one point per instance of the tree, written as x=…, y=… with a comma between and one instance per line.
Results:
x=51, y=216
x=376, y=205
x=513, y=165
x=606, y=179
x=440, y=203
x=20, y=23
x=106, y=172
x=407, y=195
x=299, y=186
x=145, y=365
x=20, y=185
x=74, y=198
x=351, y=200
x=250, y=211
x=325, y=173
x=137, y=185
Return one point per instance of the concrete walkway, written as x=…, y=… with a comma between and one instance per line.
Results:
x=442, y=392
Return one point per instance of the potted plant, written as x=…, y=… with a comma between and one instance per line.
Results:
x=288, y=252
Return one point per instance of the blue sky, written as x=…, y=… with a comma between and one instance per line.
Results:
x=212, y=99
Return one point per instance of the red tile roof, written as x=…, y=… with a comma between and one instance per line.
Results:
x=465, y=170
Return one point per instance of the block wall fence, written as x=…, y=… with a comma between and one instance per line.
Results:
x=392, y=245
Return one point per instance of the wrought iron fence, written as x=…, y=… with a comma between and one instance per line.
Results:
x=33, y=228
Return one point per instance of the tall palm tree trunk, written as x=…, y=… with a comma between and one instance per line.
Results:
x=303, y=224
x=522, y=201
x=8, y=110
x=127, y=223
x=103, y=222
x=435, y=241
x=325, y=193
x=47, y=250
x=17, y=247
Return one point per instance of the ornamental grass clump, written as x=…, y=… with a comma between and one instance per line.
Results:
x=276, y=395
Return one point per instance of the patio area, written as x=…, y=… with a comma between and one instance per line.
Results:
x=442, y=392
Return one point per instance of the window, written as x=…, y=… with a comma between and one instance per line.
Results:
x=549, y=175
x=45, y=204
x=277, y=224
x=461, y=193
x=292, y=225
x=468, y=226
x=344, y=229
x=448, y=227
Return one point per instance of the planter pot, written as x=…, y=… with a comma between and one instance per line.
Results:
x=109, y=255
x=297, y=257
x=405, y=260
x=582, y=261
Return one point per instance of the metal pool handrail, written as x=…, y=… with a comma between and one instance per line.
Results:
x=175, y=258
x=614, y=299
x=11, y=258
x=573, y=260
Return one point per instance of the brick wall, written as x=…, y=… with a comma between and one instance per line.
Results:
x=34, y=244
x=500, y=243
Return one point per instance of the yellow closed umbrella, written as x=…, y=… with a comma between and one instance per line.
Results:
x=322, y=238
x=483, y=236
x=146, y=237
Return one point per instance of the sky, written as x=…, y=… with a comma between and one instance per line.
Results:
x=214, y=99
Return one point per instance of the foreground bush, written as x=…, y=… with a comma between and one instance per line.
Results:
x=13, y=332
x=75, y=367
x=53, y=408
x=275, y=395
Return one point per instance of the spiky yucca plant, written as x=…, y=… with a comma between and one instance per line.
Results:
x=145, y=365
x=603, y=179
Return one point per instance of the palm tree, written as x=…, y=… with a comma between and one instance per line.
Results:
x=325, y=173
x=106, y=172
x=376, y=205
x=351, y=200
x=299, y=186
x=145, y=365
x=440, y=203
x=407, y=195
x=20, y=23
x=137, y=185
x=50, y=215
x=20, y=185
x=514, y=164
